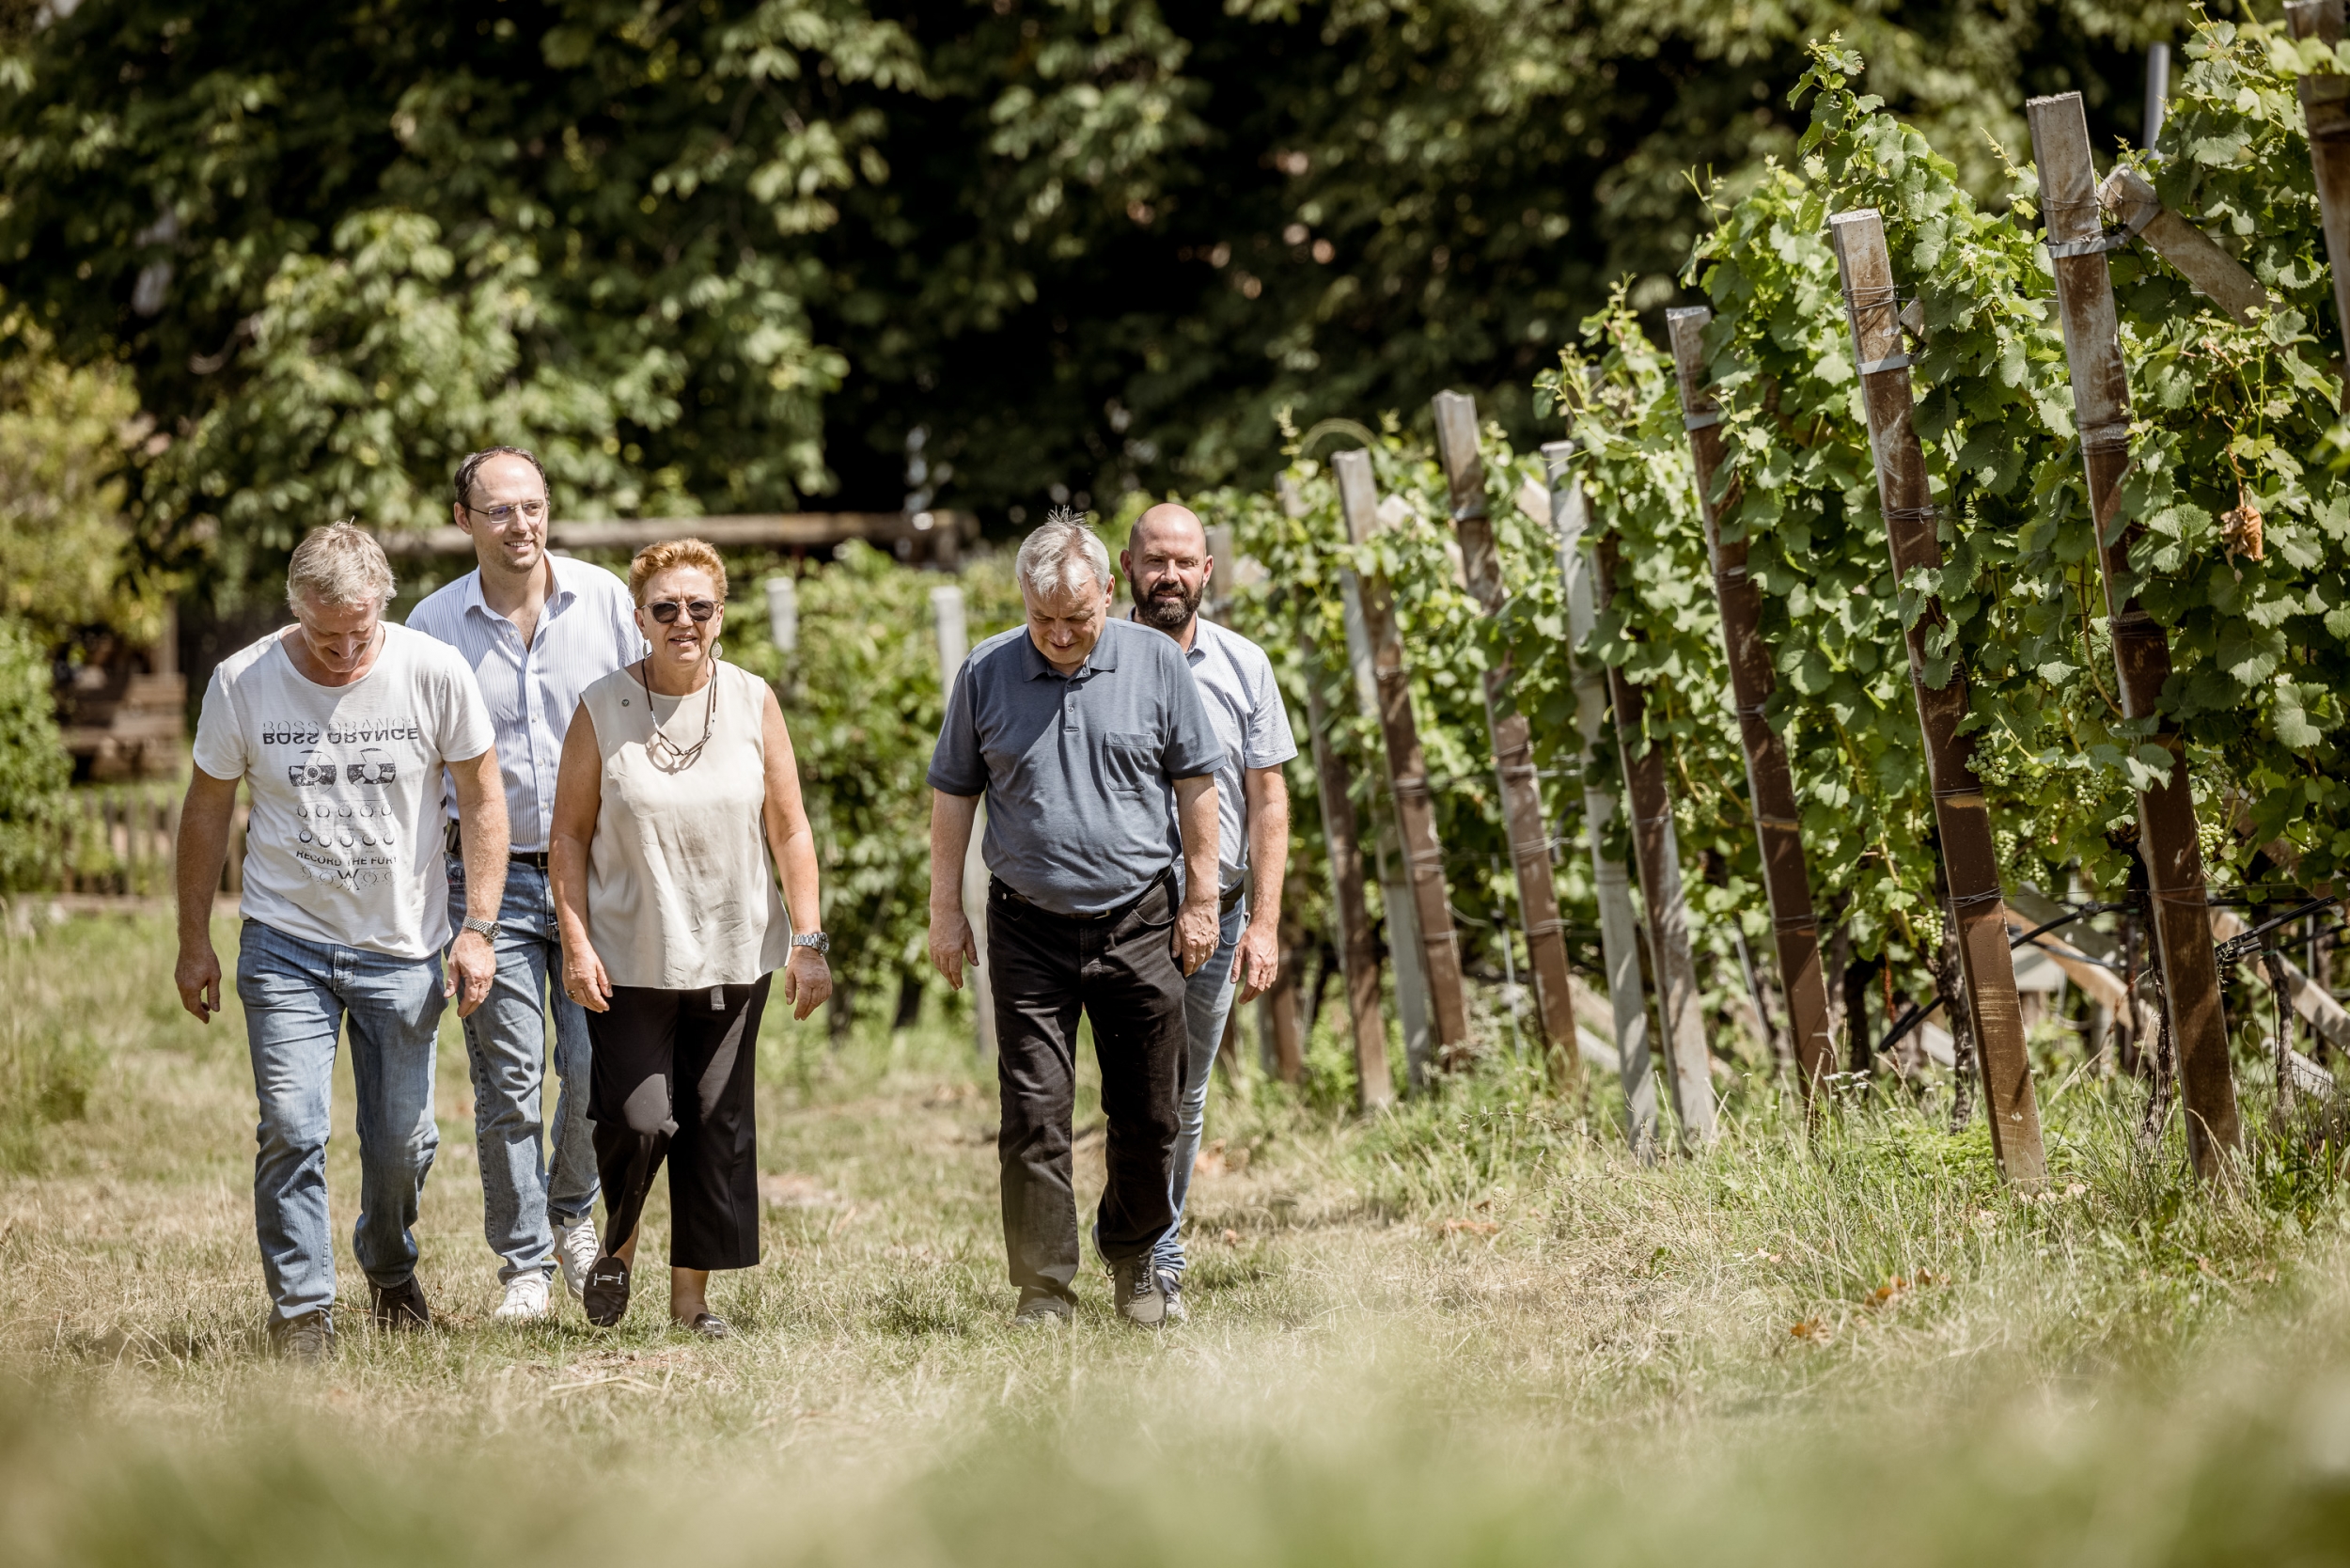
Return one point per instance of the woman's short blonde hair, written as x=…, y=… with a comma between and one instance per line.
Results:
x=654, y=559
x=338, y=566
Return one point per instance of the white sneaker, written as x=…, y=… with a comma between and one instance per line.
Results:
x=525, y=1300
x=576, y=1250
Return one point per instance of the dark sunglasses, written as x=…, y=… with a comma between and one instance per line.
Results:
x=701, y=609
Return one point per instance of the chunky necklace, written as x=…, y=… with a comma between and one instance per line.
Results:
x=665, y=753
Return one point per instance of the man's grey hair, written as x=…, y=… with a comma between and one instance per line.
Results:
x=1054, y=559
x=338, y=566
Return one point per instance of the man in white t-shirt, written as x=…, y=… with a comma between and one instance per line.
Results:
x=537, y=630
x=341, y=727
x=1167, y=567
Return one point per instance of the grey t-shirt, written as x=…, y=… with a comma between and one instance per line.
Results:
x=1079, y=771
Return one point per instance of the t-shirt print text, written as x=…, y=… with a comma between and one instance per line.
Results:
x=343, y=837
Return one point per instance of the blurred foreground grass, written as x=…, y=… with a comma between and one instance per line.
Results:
x=1473, y=1331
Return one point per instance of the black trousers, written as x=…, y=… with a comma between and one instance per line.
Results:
x=1119, y=970
x=673, y=1077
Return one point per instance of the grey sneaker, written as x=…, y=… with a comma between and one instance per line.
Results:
x=576, y=1250
x=1040, y=1309
x=1135, y=1286
x=306, y=1340
x=1172, y=1287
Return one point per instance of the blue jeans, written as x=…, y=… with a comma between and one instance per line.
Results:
x=506, y=1051
x=1207, y=1001
x=296, y=997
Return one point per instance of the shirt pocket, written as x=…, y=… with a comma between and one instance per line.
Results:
x=1130, y=765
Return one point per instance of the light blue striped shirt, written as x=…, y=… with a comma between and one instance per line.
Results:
x=586, y=630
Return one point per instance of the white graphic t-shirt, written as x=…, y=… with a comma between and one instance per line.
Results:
x=344, y=846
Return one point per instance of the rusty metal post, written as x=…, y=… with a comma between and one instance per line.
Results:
x=1513, y=746
x=1770, y=782
x=1619, y=936
x=2141, y=649
x=1407, y=772
x=1962, y=819
x=1657, y=848
x=2326, y=110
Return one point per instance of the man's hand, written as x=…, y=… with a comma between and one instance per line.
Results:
x=473, y=964
x=806, y=982
x=951, y=943
x=1197, y=932
x=1257, y=964
x=198, y=976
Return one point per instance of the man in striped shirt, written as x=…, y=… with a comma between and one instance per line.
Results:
x=538, y=630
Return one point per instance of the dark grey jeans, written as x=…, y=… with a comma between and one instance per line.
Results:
x=1118, y=971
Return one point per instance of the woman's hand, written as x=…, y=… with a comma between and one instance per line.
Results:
x=806, y=982
x=584, y=980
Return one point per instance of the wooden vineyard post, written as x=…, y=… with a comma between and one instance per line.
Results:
x=2141, y=649
x=1407, y=772
x=1619, y=937
x=1962, y=819
x=1770, y=783
x=952, y=628
x=2326, y=110
x=1357, y=957
x=1513, y=745
x=1657, y=848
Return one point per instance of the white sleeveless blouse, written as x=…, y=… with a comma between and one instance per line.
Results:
x=681, y=893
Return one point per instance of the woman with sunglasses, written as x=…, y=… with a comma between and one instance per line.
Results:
x=676, y=805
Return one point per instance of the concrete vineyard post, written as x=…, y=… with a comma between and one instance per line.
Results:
x=1358, y=955
x=1619, y=936
x=1407, y=772
x=1770, y=784
x=1513, y=746
x=1657, y=848
x=1962, y=819
x=948, y=621
x=2141, y=649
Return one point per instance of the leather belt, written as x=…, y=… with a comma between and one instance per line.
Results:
x=998, y=884
x=1232, y=896
x=452, y=842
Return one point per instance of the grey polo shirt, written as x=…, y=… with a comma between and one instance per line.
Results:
x=1079, y=771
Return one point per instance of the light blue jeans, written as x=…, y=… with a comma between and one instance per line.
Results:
x=297, y=996
x=1207, y=1002
x=506, y=1051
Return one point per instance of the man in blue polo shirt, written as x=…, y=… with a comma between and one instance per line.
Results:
x=1167, y=567
x=1089, y=739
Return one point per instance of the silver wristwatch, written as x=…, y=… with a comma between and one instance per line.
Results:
x=815, y=939
x=489, y=929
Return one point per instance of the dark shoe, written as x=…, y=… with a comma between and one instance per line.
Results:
x=709, y=1325
x=605, y=1295
x=1172, y=1287
x=1135, y=1286
x=400, y=1306
x=1040, y=1309
x=306, y=1340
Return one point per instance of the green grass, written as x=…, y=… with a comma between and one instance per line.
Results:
x=1473, y=1331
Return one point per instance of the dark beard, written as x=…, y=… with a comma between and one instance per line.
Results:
x=1169, y=615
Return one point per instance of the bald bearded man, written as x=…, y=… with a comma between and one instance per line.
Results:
x=1167, y=567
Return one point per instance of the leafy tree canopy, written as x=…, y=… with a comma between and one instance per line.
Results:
x=730, y=256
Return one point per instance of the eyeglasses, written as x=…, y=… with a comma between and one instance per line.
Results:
x=502, y=514
x=701, y=609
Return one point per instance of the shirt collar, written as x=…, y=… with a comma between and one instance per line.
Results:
x=1200, y=626
x=1104, y=657
x=558, y=598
